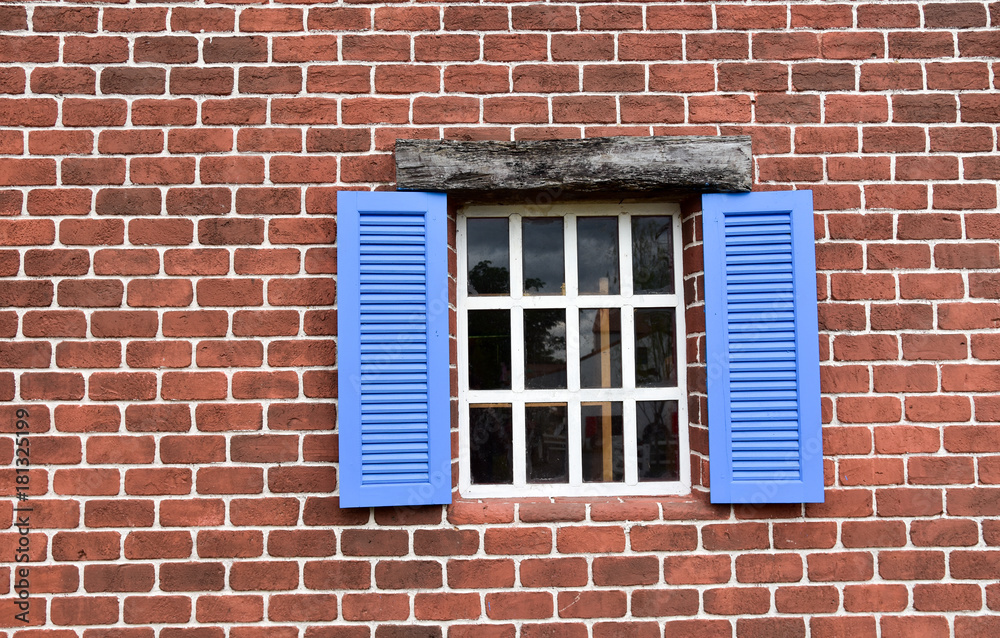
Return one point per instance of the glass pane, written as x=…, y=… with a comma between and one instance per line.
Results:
x=489, y=349
x=489, y=256
x=544, y=269
x=597, y=255
x=544, y=349
x=603, y=444
x=655, y=355
x=601, y=348
x=491, y=441
x=656, y=436
x=546, y=435
x=653, y=255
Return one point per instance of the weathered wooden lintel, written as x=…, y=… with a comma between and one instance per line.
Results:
x=678, y=164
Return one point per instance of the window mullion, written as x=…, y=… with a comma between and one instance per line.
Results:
x=630, y=443
x=575, y=450
x=625, y=254
x=519, y=444
x=516, y=259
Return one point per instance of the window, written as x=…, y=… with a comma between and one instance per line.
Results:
x=571, y=351
x=760, y=355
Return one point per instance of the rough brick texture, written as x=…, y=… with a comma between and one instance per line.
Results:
x=168, y=288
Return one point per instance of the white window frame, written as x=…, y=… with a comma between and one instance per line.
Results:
x=518, y=396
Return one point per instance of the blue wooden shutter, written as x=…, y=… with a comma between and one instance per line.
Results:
x=765, y=439
x=394, y=419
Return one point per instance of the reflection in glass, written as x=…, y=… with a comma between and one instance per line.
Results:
x=544, y=349
x=603, y=444
x=656, y=436
x=546, y=437
x=491, y=442
x=489, y=256
x=597, y=255
x=544, y=269
x=489, y=349
x=601, y=348
x=652, y=255
x=655, y=355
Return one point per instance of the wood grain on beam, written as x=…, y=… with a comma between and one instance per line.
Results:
x=595, y=165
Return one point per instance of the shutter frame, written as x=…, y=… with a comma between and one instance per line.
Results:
x=752, y=474
x=418, y=483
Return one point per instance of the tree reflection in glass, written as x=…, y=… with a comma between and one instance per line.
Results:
x=603, y=444
x=491, y=444
x=657, y=439
x=546, y=434
x=544, y=349
x=597, y=255
x=488, y=256
x=655, y=354
x=542, y=250
x=600, y=348
x=653, y=255
x=489, y=349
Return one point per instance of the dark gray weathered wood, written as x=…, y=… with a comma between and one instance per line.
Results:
x=595, y=165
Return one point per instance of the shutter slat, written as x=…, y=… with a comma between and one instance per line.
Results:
x=764, y=430
x=394, y=419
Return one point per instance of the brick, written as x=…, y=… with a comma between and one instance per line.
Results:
x=681, y=77
x=51, y=386
x=158, y=481
x=873, y=534
x=875, y=598
x=408, y=575
x=239, y=111
x=908, y=502
x=768, y=569
x=85, y=545
x=338, y=574
x=156, y=609
x=200, y=576
x=376, y=48
x=228, y=353
x=235, y=49
x=554, y=572
x=95, y=354
x=786, y=46
x=737, y=600
x=911, y=565
x=230, y=544
x=925, y=44
x=200, y=81
x=192, y=513
x=693, y=570
x=841, y=566
x=84, y=610
x=371, y=607
x=518, y=605
x=271, y=20
x=649, y=46
x=118, y=578
x=87, y=418
x=806, y=599
x=724, y=108
x=477, y=573
x=303, y=607
x=939, y=471
x=944, y=533
x=338, y=79
x=903, y=439
x=973, y=564
x=120, y=450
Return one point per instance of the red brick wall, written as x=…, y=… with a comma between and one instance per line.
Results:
x=167, y=214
